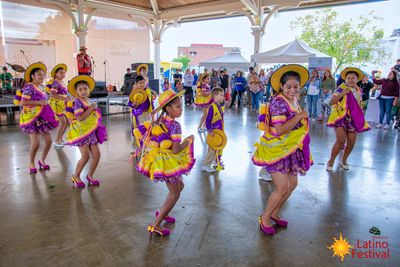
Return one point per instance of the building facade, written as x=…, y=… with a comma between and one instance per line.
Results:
x=203, y=52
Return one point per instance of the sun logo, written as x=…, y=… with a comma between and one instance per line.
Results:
x=340, y=247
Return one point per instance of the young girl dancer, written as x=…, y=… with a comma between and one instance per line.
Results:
x=347, y=116
x=37, y=118
x=58, y=100
x=203, y=98
x=141, y=111
x=166, y=157
x=86, y=130
x=284, y=148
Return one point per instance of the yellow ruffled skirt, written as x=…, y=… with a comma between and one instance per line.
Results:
x=160, y=164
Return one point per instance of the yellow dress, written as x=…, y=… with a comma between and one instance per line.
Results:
x=158, y=162
x=201, y=100
x=56, y=104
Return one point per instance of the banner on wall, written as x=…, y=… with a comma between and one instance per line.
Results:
x=320, y=64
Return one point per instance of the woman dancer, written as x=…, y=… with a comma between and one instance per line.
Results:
x=37, y=118
x=347, y=116
x=284, y=148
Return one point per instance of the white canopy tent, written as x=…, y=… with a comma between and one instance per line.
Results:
x=293, y=52
x=231, y=61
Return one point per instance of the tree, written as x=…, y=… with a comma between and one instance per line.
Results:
x=350, y=42
x=184, y=60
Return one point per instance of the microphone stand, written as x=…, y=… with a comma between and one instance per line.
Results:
x=105, y=71
x=23, y=53
x=94, y=66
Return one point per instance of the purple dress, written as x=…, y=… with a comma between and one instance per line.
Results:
x=58, y=88
x=98, y=136
x=296, y=162
x=347, y=122
x=35, y=119
x=162, y=164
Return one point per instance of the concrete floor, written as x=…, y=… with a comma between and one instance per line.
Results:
x=216, y=215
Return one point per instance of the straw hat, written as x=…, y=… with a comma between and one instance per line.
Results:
x=203, y=76
x=277, y=75
x=36, y=65
x=140, y=67
x=56, y=67
x=166, y=97
x=344, y=72
x=79, y=78
x=216, y=139
x=138, y=96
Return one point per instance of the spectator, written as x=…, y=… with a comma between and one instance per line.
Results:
x=328, y=87
x=313, y=92
x=178, y=86
x=6, y=79
x=214, y=82
x=166, y=85
x=397, y=66
x=187, y=85
x=387, y=98
x=255, y=91
x=251, y=71
x=177, y=77
x=239, y=88
x=271, y=70
x=264, y=81
x=128, y=74
x=365, y=85
x=195, y=77
x=224, y=80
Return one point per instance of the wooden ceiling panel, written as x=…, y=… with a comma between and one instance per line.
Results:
x=162, y=4
x=165, y=4
x=135, y=3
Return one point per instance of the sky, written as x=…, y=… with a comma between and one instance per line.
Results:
x=236, y=31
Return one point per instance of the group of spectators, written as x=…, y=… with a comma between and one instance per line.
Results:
x=386, y=90
x=255, y=88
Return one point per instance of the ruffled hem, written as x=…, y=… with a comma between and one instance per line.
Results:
x=172, y=180
x=345, y=123
x=97, y=137
x=39, y=126
x=44, y=122
x=182, y=163
x=203, y=102
x=294, y=164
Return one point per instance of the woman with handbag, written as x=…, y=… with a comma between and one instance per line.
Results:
x=255, y=91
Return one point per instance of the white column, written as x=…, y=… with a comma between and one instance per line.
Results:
x=157, y=59
x=81, y=25
x=257, y=33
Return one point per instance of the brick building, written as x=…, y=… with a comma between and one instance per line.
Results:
x=203, y=52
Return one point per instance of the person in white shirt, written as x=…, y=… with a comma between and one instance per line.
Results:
x=187, y=85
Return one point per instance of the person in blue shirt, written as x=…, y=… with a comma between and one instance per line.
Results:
x=239, y=88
